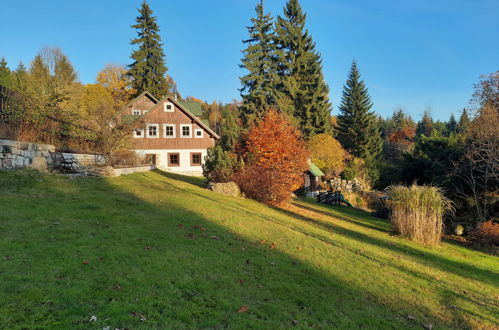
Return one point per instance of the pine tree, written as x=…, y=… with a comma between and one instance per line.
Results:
x=464, y=122
x=302, y=90
x=148, y=71
x=5, y=74
x=358, y=127
x=40, y=78
x=257, y=89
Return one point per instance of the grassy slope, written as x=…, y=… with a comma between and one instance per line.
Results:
x=161, y=247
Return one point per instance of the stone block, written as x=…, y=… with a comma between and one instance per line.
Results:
x=228, y=189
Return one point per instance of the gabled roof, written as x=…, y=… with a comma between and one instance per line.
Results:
x=194, y=107
x=192, y=116
x=145, y=93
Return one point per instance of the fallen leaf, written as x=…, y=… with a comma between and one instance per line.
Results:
x=259, y=286
x=272, y=263
x=428, y=326
x=299, y=248
x=93, y=318
x=85, y=262
x=117, y=287
x=241, y=281
x=410, y=317
x=273, y=246
x=191, y=236
x=180, y=225
x=243, y=309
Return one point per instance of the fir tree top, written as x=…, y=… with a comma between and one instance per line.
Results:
x=148, y=71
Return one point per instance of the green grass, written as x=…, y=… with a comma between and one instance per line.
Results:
x=160, y=246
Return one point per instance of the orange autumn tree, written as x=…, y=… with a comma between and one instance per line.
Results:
x=275, y=160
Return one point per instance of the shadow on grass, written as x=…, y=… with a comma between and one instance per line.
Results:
x=194, y=180
x=159, y=264
x=424, y=258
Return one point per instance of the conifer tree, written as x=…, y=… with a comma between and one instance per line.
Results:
x=148, y=71
x=464, y=122
x=5, y=74
x=425, y=125
x=302, y=90
x=40, y=78
x=20, y=78
x=358, y=127
x=451, y=125
x=257, y=89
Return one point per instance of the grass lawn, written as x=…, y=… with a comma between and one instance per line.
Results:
x=155, y=250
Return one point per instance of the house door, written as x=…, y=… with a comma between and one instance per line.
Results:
x=151, y=159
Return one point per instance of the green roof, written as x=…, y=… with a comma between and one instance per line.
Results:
x=315, y=170
x=206, y=122
x=193, y=107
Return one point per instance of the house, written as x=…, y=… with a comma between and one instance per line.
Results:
x=170, y=134
x=313, y=179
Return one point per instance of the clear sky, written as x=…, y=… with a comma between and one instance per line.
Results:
x=411, y=53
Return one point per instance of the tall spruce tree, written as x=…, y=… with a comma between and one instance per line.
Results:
x=258, y=84
x=302, y=90
x=464, y=122
x=148, y=71
x=5, y=74
x=425, y=125
x=451, y=125
x=20, y=79
x=358, y=127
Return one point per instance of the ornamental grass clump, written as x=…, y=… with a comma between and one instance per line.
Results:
x=416, y=212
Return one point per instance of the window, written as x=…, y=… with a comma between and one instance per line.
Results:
x=136, y=112
x=198, y=133
x=185, y=131
x=173, y=159
x=195, y=159
x=151, y=159
x=152, y=130
x=169, y=130
x=138, y=133
x=169, y=107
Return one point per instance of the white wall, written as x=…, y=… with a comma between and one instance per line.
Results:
x=185, y=160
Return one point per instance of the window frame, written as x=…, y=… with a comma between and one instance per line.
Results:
x=157, y=131
x=196, y=133
x=165, y=105
x=173, y=154
x=174, y=131
x=200, y=159
x=137, y=136
x=135, y=114
x=182, y=131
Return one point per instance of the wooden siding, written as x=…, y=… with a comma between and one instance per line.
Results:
x=157, y=115
x=142, y=103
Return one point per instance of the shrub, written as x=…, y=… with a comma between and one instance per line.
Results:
x=275, y=160
x=126, y=157
x=219, y=165
x=416, y=212
x=487, y=233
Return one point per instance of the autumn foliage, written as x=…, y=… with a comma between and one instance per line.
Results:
x=328, y=154
x=275, y=160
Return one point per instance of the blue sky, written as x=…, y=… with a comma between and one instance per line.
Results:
x=411, y=53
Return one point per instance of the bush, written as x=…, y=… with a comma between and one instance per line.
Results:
x=219, y=165
x=275, y=160
x=126, y=157
x=487, y=233
x=416, y=212
x=327, y=154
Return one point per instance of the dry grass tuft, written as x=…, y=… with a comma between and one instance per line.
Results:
x=416, y=212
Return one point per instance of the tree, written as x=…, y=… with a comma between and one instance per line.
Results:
x=5, y=74
x=451, y=125
x=358, y=127
x=219, y=165
x=464, y=122
x=301, y=89
x=20, y=79
x=115, y=79
x=328, y=154
x=148, y=70
x=425, y=125
x=275, y=159
x=258, y=84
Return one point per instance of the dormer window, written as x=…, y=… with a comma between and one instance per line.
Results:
x=138, y=133
x=136, y=112
x=169, y=107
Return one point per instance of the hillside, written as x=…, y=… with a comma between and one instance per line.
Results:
x=157, y=250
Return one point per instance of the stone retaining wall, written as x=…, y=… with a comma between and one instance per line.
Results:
x=86, y=159
x=15, y=154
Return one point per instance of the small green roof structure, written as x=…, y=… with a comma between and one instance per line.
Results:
x=315, y=170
